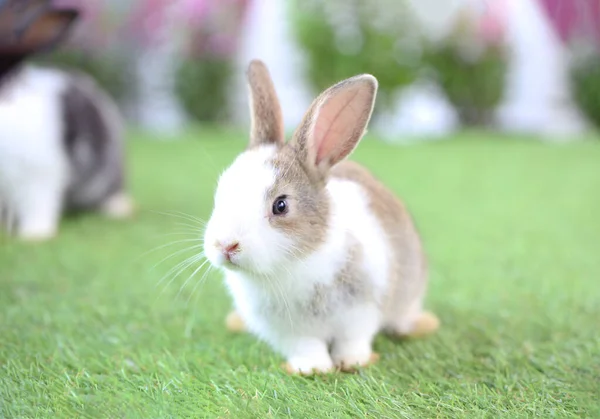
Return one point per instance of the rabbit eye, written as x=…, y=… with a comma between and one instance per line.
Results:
x=280, y=206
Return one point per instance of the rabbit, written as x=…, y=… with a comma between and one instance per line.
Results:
x=61, y=135
x=317, y=254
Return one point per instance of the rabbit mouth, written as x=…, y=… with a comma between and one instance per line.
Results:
x=230, y=263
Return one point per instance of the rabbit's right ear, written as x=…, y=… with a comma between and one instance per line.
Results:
x=267, y=122
x=28, y=27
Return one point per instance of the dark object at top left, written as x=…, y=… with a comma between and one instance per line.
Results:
x=29, y=27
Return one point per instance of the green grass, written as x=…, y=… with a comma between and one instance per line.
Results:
x=512, y=230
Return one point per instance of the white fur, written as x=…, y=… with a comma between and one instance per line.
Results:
x=33, y=165
x=240, y=214
x=35, y=171
x=269, y=288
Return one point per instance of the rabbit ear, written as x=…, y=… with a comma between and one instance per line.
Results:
x=267, y=122
x=16, y=16
x=335, y=122
x=28, y=27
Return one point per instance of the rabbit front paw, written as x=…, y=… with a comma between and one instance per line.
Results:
x=350, y=355
x=309, y=366
x=235, y=322
x=38, y=229
x=308, y=356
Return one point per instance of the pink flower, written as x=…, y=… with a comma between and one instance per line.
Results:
x=196, y=10
x=146, y=18
x=572, y=18
x=222, y=44
x=493, y=22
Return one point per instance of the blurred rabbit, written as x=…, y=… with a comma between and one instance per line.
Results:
x=60, y=134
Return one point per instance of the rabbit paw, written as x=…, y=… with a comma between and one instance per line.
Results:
x=348, y=356
x=37, y=230
x=308, y=366
x=350, y=365
x=417, y=326
x=118, y=206
x=426, y=324
x=37, y=236
x=235, y=323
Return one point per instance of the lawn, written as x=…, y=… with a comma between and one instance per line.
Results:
x=93, y=324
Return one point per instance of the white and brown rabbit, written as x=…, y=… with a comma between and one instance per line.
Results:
x=60, y=134
x=318, y=254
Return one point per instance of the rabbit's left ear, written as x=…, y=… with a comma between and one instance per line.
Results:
x=335, y=123
x=28, y=27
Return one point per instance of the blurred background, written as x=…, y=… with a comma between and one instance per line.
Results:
x=125, y=319
x=515, y=66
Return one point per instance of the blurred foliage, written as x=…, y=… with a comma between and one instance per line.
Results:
x=106, y=44
x=585, y=82
x=201, y=82
x=470, y=72
x=341, y=39
x=109, y=70
x=475, y=88
x=206, y=68
x=201, y=85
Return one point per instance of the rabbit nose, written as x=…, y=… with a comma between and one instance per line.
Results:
x=229, y=249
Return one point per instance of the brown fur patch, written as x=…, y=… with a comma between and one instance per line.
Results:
x=28, y=28
x=309, y=207
x=350, y=285
x=407, y=276
x=307, y=223
x=351, y=280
